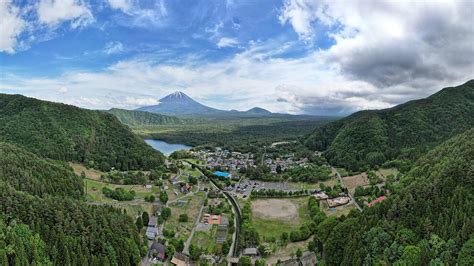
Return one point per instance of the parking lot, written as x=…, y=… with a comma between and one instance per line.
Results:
x=245, y=187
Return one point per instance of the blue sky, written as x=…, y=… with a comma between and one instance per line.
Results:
x=295, y=56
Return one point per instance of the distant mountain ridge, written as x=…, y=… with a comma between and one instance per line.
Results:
x=370, y=138
x=141, y=118
x=180, y=104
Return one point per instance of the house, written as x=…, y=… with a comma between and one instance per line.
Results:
x=151, y=232
x=375, y=201
x=157, y=250
x=251, y=252
x=211, y=219
x=180, y=259
x=153, y=221
x=321, y=195
x=339, y=201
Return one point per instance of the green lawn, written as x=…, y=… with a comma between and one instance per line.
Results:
x=205, y=240
x=94, y=190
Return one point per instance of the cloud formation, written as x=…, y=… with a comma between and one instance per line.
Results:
x=53, y=12
x=315, y=57
x=227, y=42
x=11, y=26
x=392, y=44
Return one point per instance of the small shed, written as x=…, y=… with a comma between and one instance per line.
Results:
x=250, y=252
x=153, y=221
x=151, y=232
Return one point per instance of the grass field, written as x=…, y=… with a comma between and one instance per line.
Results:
x=354, y=181
x=90, y=173
x=194, y=203
x=285, y=253
x=205, y=240
x=270, y=225
x=338, y=211
x=94, y=190
x=384, y=172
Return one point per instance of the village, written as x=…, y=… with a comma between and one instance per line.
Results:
x=191, y=212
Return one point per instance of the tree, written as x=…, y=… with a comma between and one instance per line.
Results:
x=183, y=218
x=245, y=261
x=163, y=197
x=260, y=262
x=145, y=218
x=194, y=252
x=166, y=213
x=299, y=253
x=411, y=256
x=139, y=223
x=466, y=255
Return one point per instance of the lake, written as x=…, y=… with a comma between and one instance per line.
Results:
x=166, y=148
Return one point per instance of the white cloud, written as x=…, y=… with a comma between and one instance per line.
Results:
x=138, y=16
x=63, y=89
x=11, y=26
x=134, y=101
x=53, y=12
x=113, y=48
x=227, y=42
x=301, y=14
x=124, y=5
x=402, y=44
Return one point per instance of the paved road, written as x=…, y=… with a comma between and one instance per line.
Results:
x=343, y=186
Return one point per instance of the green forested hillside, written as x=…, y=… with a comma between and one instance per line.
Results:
x=141, y=119
x=428, y=220
x=69, y=133
x=27, y=172
x=44, y=220
x=369, y=138
x=74, y=232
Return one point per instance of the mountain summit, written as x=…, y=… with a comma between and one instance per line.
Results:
x=177, y=97
x=178, y=103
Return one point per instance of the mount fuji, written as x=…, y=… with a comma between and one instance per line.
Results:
x=178, y=103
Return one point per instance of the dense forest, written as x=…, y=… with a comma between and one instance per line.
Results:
x=30, y=173
x=240, y=134
x=141, y=119
x=69, y=133
x=370, y=138
x=43, y=219
x=427, y=220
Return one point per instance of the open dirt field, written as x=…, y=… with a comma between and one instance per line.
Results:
x=90, y=173
x=278, y=209
x=354, y=181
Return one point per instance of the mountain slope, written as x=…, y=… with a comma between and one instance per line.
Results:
x=179, y=103
x=258, y=111
x=369, y=138
x=44, y=197
x=140, y=119
x=69, y=133
x=27, y=172
x=426, y=221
